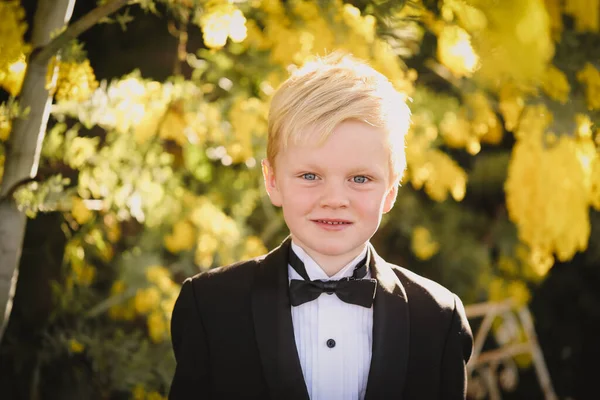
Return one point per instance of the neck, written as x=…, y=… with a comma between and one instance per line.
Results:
x=331, y=265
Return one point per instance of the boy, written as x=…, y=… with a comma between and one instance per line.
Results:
x=322, y=316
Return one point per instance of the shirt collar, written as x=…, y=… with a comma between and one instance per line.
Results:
x=315, y=272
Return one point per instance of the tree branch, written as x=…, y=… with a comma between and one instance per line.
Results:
x=43, y=54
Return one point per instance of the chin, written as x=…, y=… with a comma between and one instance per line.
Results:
x=333, y=249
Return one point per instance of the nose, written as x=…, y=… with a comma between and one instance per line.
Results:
x=334, y=196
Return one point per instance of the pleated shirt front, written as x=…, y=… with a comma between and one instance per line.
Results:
x=333, y=338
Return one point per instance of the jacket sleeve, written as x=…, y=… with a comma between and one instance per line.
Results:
x=457, y=351
x=191, y=379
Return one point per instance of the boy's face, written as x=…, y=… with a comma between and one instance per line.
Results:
x=333, y=195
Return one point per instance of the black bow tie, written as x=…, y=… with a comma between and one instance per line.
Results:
x=353, y=290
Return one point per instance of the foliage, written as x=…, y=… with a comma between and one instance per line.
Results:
x=158, y=180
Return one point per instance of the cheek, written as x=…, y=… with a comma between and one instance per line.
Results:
x=300, y=198
x=369, y=204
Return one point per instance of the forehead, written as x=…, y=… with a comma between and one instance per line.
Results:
x=350, y=144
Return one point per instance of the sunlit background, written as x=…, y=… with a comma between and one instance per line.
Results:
x=148, y=173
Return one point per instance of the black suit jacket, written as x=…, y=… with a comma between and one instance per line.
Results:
x=233, y=337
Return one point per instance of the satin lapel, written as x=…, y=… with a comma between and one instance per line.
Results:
x=389, y=360
x=274, y=329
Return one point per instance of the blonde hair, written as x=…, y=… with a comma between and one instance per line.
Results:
x=330, y=90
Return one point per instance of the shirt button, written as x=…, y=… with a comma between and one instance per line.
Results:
x=331, y=343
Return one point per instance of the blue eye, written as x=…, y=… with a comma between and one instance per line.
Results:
x=309, y=176
x=360, y=179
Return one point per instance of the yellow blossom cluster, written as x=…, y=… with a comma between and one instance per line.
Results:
x=556, y=85
x=125, y=310
x=175, y=122
x=511, y=102
x=159, y=318
x=429, y=167
x=510, y=41
x=183, y=237
x=590, y=76
x=76, y=81
x=549, y=188
x=455, y=51
x=154, y=301
x=13, y=49
x=595, y=182
x=1, y=166
x=248, y=118
x=81, y=272
x=221, y=20
x=301, y=30
x=555, y=10
x=149, y=108
x=12, y=79
x=287, y=43
x=515, y=289
x=218, y=233
x=76, y=346
x=140, y=393
x=476, y=122
x=437, y=173
x=172, y=124
x=5, y=124
x=80, y=212
x=422, y=243
x=253, y=247
x=586, y=14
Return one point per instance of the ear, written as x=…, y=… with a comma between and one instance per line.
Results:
x=271, y=183
x=390, y=198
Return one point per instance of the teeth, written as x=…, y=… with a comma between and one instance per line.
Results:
x=332, y=222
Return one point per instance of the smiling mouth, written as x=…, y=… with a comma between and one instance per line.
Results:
x=328, y=222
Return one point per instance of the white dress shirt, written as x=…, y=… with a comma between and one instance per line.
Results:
x=333, y=338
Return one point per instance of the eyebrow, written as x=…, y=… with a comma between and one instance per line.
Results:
x=368, y=170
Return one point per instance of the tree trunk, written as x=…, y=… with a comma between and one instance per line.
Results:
x=24, y=146
x=25, y=143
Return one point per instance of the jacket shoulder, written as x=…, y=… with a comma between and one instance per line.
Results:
x=424, y=289
x=225, y=279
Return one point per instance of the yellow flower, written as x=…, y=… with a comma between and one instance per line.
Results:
x=455, y=51
x=173, y=124
x=485, y=124
x=253, y=247
x=595, y=183
x=155, y=273
x=75, y=346
x=437, y=172
x=146, y=300
x=511, y=105
x=138, y=392
x=83, y=273
x=455, y=129
x=161, y=277
x=5, y=127
x=13, y=49
x=80, y=212
x=122, y=311
x=155, y=396
x=76, y=81
x=590, y=76
x=556, y=85
x=182, y=238
x=157, y=326
x=422, y=244
x=519, y=292
x=220, y=22
x=548, y=190
x=586, y=14
x=12, y=80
